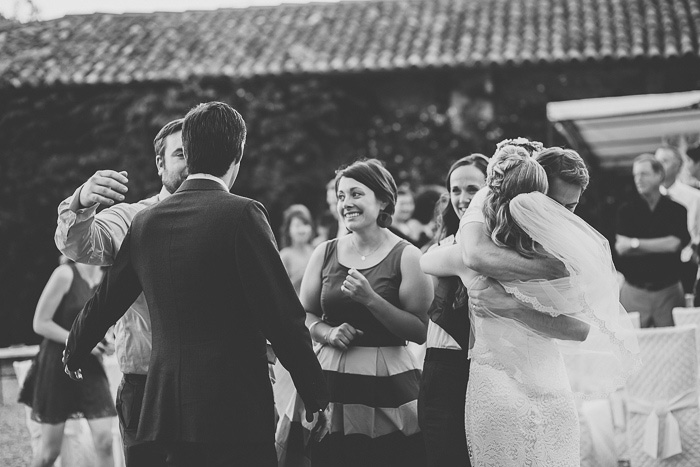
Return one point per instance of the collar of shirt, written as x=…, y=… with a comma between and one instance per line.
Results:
x=164, y=193
x=208, y=177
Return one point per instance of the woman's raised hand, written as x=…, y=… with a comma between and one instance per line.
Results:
x=357, y=287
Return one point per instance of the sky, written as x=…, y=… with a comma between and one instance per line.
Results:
x=50, y=9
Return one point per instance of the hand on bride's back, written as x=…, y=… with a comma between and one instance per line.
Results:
x=557, y=270
x=546, y=267
x=487, y=297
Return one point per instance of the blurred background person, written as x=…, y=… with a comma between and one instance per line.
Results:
x=423, y=220
x=401, y=224
x=651, y=232
x=692, y=169
x=446, y=369
x=52, y=395
x=296, y=235
x=689, y=197
x=335, y=228
x=365, y=296
x=326, y=224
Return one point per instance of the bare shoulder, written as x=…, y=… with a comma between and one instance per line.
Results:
x=62, y=276
x=410, y=255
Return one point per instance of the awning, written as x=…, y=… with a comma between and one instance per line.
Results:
x=617, y=129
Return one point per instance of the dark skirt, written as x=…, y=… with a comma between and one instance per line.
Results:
x=55, y=398
x=441, y=407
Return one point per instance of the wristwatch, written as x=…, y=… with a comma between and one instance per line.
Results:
x=634, y=243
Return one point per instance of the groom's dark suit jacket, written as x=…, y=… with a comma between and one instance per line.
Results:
x=216, y=289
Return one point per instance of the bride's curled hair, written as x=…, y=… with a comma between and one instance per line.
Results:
x=511, y=171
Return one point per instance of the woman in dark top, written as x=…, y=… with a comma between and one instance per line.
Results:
x=446, y=368
x=365, y=296
x=52, y=395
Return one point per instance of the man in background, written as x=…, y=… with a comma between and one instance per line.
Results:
x=651, y=232
x=689, y=197
x=87, y=237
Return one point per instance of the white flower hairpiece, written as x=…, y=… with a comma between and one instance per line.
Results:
x=533, y=147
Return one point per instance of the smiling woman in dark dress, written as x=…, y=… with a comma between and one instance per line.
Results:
x=365, y=296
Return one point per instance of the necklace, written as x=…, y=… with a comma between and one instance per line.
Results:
x=364, y=257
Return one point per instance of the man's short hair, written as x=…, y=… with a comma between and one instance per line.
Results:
x=565, y=164
x=213, y=136
x=656, y=166
x=169, y=128
x=673, y=150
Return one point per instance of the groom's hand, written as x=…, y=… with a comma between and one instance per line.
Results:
x=322, y=426
x=76, y=375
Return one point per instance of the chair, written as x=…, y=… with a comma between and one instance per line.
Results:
x=683, y=316
x=636, y=319
x=662, y=396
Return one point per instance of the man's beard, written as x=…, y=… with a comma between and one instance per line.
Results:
x=172, y=181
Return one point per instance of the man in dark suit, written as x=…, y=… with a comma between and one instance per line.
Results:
x=216, y=288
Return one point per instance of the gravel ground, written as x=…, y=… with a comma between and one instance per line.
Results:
x=15, y=447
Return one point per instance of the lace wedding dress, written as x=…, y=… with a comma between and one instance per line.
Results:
x=520, y=406
x=520, y=409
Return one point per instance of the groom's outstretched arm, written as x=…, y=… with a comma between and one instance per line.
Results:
x=500, y=302
x=117, y=291
x=279, y=313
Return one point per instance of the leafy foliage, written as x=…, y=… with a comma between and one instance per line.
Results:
x=300, y=130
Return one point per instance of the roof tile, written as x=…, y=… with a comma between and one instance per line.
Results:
x=342, y=37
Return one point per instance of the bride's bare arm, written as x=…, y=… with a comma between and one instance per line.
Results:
x=446, y=261
x=500, y=302
x=479, y=253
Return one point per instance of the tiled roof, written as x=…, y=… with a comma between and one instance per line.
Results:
x=343, y=37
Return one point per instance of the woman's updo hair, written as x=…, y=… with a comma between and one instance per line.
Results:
x=373, y=174
x=511, y=171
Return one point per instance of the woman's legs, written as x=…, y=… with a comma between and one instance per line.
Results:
x=101, y=429
x=50, y=447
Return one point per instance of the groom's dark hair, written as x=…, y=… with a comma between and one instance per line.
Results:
x=213, y=136
x=565, y=164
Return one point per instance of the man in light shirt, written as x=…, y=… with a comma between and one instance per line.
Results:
x=87, y=237
x=689, y=197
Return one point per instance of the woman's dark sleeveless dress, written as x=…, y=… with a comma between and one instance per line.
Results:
x=374, y=384
x=52, y=395
x=445, y=376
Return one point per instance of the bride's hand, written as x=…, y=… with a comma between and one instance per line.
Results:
x=487, y=297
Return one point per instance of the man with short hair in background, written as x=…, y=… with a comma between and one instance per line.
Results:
x=87, y=237
x=689, y=197
x=651, y=232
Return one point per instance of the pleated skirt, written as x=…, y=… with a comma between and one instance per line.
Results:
x=373, y=412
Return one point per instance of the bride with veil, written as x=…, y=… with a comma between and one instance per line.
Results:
x=520, y=403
